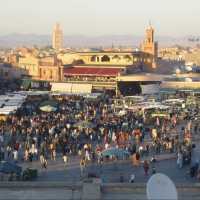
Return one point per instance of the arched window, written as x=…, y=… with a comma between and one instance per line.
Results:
x=127, y=58
x=93, y=59
x=51, y=74
x=78, y=62
x=105, y=58
x=116, y=57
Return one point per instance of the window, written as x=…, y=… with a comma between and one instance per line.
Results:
x=116, y=57
x=93, y=59
x=51, y=74
x=127, y=58
x=105, y=58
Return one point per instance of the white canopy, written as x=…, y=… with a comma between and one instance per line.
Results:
x=11, y=102
x=173, y=101
x=71, y=88
x=81, y=88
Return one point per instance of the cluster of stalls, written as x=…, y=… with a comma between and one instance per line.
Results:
x=73, y=88
x=151, y=106
x=10, y=103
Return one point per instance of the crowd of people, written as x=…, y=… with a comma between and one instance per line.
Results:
x=85, y=128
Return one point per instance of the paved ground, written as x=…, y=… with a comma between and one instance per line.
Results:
x=110, y=172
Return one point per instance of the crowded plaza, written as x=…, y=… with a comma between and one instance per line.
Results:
x=70, y=137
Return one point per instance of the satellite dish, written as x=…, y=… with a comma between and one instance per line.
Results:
x=161, y=187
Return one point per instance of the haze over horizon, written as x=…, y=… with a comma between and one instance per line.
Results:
x=92, y=18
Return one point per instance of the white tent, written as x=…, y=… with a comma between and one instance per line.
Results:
x=11, y=102
x=61, y=87
x=81, y=88
x=71, y=88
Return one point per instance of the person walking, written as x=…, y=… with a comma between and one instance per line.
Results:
x=180, y=160
x=146, y=167
x=136, y=159
x=132, y=178
x=43, y=161
x=15, y=155
x=65, y=159
x=82, y=166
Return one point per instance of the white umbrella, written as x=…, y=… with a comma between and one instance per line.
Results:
x=48, y=108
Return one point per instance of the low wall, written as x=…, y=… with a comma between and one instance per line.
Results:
x=85, y=191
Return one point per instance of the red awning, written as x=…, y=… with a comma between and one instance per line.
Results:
x=86, y=71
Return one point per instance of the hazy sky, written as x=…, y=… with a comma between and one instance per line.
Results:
x=100, y=17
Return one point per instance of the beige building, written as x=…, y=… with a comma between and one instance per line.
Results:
x=172, y=53
x=50, y=69
x=30, y=64
x=108, y=59
x=147, y=56
x=57, y=38
x=12, y=59
x=193, y=57
x=187, y=55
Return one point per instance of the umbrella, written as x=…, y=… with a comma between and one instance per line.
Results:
x=49, y=102
x=85, y=124
x=48, y=108
x=8, y=167
x=119, y=153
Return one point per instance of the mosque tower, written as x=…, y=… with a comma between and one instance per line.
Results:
x=57, y=38
x=150, y=46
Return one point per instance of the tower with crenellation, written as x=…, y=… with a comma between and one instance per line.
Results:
x=150, y=46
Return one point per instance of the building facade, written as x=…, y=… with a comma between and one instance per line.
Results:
x=50, y=69
x=30, y=64
x=146, y=56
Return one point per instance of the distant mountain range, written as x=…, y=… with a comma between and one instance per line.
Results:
x=16, y=40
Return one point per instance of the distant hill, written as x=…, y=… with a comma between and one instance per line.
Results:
x=16, y=40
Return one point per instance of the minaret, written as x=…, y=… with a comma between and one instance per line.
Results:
x=57, y=39
x=149, y=45
x=150, y=35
